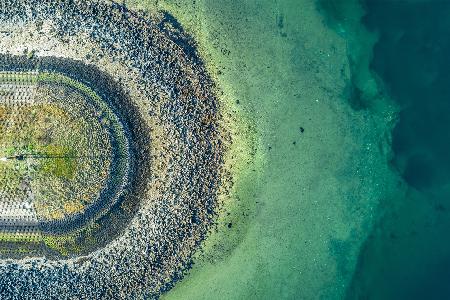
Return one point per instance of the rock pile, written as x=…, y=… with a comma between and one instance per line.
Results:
x=166, y=97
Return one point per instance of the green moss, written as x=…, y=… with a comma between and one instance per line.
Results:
x=62, y=163
x=69, y=244
x=58, y=153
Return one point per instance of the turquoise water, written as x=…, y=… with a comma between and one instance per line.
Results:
x=338, y=111
x=408, y=254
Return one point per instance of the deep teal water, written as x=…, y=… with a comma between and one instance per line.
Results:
x=407, y=256
x=412, y=57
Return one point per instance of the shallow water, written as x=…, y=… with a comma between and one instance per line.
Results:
x=338, y=114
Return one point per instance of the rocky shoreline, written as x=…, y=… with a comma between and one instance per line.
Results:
x=173, y=116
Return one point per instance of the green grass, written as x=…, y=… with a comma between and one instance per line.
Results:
x=54, y=163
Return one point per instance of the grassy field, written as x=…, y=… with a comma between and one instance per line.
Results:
x=55, y=149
